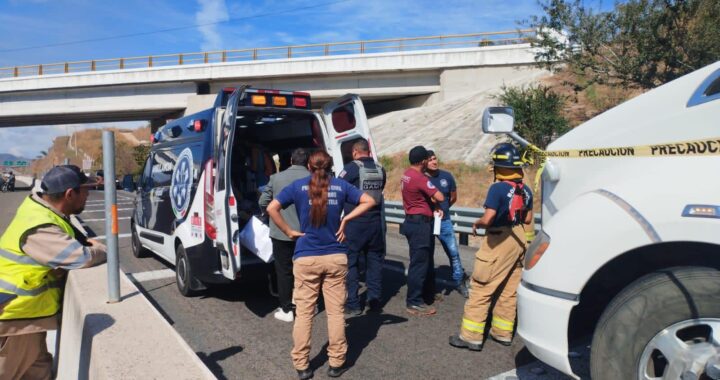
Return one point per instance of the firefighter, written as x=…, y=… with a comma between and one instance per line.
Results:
x=498, y=262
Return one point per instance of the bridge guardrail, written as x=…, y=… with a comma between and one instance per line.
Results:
x=462, y=218
x=296, y=51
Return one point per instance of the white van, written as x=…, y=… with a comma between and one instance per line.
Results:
x=630, y=245
x=201, y=181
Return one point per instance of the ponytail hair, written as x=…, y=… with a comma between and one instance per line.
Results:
x=319, y=164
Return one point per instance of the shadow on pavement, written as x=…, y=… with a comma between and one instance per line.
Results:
x=211, y=360
x=93, y=324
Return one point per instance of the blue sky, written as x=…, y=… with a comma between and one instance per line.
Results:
x=44, y=31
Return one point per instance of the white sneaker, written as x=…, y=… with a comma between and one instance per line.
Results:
x=283, y=316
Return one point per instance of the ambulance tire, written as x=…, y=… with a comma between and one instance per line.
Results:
x=642, y=310
x=137, y=249
x=186, y=283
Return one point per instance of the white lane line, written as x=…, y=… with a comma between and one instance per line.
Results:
x=159, y=274
x=96, y=220
x=102, y=237
x=120, y=209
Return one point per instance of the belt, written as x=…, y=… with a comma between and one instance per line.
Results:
x=419, y=218
x=499, y=230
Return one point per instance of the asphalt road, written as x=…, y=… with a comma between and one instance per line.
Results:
x=231, y=327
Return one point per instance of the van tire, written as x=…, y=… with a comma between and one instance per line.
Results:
x=186, y=283
x=137, y=249
x=643, y=309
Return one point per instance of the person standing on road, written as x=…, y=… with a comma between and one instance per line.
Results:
x=283, y=246
x=320, y=259
x=11, y=181
x=498, y=262
x=445, y=183
x=365, y=234
x=420, y=197
x=36, y=250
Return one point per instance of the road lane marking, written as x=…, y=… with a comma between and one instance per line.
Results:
x=97, y=220
x=102, y=237
x=159, y=274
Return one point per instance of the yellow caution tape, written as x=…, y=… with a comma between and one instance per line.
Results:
x=706, y=147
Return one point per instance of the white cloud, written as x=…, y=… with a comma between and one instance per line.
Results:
x=211, y=11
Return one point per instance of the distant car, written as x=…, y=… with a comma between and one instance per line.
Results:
x=128, y=183
x=100, y=176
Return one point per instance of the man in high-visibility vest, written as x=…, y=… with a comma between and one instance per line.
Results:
x=36, y=250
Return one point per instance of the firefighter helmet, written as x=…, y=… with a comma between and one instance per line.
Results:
x=505, y=155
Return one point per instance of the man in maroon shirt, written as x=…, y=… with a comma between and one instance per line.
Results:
x=419, y=200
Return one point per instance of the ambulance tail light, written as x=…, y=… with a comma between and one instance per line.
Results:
x=536, y=250
x=300, y=102
x=209, y=209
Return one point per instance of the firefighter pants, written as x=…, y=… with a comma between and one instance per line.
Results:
x=497, y=271
x=25, y=357
x=313, y=274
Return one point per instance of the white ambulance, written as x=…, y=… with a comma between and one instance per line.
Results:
x=629, y=251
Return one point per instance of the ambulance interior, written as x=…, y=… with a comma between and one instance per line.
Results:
x=263, y=144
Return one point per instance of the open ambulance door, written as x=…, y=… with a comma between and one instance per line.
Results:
x=346, y=122
x=226, y=218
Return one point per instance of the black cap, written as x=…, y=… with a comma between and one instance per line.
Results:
x=63, y=177
x=417, y=154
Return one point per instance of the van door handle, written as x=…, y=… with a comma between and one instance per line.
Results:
x=234, y=218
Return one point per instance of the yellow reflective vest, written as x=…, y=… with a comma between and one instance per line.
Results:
x=38, y=290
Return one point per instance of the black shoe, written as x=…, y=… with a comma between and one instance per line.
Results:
x=462, y=289
x=421, y=310
x=374, y=307
x=350, y=313
x=305, y=374
x=457, y=341
x=504, y=342
x=336, y=371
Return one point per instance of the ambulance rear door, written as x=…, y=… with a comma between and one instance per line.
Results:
x=346, y=122
x=226, y=218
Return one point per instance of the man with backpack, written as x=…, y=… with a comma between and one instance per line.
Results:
x=498, y=263
x=366, y=233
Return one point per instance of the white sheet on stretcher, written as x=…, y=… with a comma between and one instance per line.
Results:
x=255, y=236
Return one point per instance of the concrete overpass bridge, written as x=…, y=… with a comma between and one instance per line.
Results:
x=388, y=74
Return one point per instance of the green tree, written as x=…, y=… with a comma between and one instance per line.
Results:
x=639, y=43
x=538, y=113
x=140, y=154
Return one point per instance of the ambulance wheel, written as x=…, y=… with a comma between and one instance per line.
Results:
x=186, y=283
x=664, y=325
x=138, y=250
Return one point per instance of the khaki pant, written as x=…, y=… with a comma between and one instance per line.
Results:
x=311, y=274
x=25, y=357
x=498, y=268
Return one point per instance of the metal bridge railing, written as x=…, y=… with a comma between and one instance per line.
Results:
x=462, y=218
x=254, y=54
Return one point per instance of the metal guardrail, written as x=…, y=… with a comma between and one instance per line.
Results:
x=296, y=51
x=462, y=218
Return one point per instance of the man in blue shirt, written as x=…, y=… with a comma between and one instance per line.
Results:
x=445, y=183
x=498, y=262
x=366, y=233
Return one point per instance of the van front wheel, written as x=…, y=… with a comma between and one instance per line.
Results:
x=186, y=283
x=665, y=325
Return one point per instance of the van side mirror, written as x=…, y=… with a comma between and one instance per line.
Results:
x=498, y=120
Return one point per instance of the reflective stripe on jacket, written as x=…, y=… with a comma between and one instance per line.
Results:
x=37, y=288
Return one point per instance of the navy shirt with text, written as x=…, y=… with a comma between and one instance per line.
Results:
x=445, y=183
x=319, y=240
x=499, y=197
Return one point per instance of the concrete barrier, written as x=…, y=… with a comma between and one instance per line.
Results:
x=124, y=340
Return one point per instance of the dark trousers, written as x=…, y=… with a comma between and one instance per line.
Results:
x=283, y=253
x=365, y=237
x=421, y=272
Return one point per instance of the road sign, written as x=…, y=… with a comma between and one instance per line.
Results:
x=15, y=163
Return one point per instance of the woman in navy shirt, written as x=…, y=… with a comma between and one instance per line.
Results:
x=320, y=258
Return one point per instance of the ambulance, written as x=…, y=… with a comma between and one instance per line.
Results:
x=628, y=256
x=196, y=202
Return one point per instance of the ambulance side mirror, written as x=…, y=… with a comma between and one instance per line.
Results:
x=498, y=120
